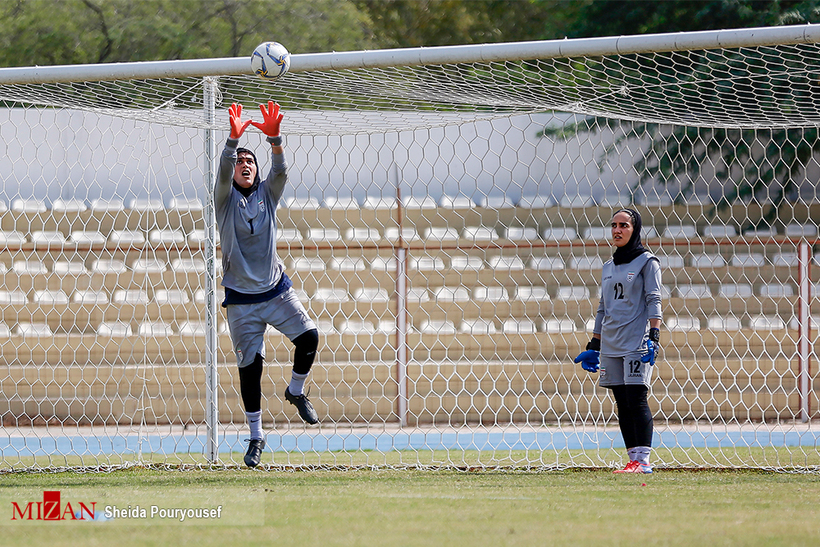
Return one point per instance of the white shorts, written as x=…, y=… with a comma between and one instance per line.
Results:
x=628, y=370
x=248, y=322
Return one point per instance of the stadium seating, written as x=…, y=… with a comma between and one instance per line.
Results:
x=679, y=323
x=767, y=322
x=735, y=290
x=748, y=260
x=801, y=230
x=412, y=202
x=719, y=231
x=357, y=327
x=516, y=233
x=564, y=233
x=28, y=206
x=126, y=237
x=671, y=260
x=348, y=203
x=491, y=294
x=785, y=259
x=776, y=290
x=477, y=327
x=539, y=202
x=47, y=239
x=357, y=235
x=348, y=264
x=87, y=237
x=576, y=202
x=486, y=281
x=596, y=233
x=108, y=205
x=518, y=326
x=535, y=294
x=679, y=232
x=479, y=233
x=694, y=291
x=324, y=234
x=426, y=263
x=299, y=203
x=437, y=327
x=378, y=202
x=456, y=202
x=547, y=263
x=506, y=263
x=559, y=326
x=496, y=202
x=723, y=323
x=442, y=233
x=708, y=261
x=391, y=233
x=467, y=262
x=309, y=264
x=12, y=238
x=149, y=265
x=572, y=293
x=586, y=263
x=451, y=294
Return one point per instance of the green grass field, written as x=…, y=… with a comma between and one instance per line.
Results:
x=423, y=507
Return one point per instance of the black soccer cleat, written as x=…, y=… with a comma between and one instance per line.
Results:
x=254, y=454
x=302, y=403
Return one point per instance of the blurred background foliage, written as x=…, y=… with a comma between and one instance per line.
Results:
x=47, y=32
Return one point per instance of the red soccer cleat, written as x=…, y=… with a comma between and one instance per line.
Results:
x=635, y=467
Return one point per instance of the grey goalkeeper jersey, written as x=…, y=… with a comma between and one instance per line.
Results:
x=247, y=226
x=630, y=296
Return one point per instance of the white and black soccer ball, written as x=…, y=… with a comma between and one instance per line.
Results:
x=270, y=60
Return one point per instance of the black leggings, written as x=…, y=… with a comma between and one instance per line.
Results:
x=250, y=377
x=634, y=416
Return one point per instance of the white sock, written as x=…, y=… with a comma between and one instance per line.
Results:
x=255, y=423
x=297, y=384
x=640, y=453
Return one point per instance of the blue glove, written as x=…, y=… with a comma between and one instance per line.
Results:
x=589, y=359
x=652, y=347
x=651, y=353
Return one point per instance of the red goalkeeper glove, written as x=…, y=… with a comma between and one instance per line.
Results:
x=272, y=117
x=237, y=125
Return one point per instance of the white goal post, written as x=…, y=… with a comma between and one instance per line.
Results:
x=445, y=224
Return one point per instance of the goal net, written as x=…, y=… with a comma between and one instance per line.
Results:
x=445, y=223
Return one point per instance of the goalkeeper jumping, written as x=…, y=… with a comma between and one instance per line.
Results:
x=625, y=338
x=258, y=292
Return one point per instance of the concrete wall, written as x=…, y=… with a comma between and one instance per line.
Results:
x=51, y=154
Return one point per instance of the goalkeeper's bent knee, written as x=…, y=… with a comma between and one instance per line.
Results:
x=305, y=351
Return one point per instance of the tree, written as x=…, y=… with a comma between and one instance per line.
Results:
x=622, y=17
x=762, y=164
x=45, y=32
x=413, y=23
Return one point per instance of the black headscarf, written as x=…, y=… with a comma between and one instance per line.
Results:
x=633, y=247
x=252, y=188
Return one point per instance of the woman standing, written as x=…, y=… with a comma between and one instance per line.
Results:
x=625, y=338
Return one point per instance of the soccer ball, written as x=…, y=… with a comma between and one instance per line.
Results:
x=270, y=60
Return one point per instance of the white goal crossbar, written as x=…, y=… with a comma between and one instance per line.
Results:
x=480, y=53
